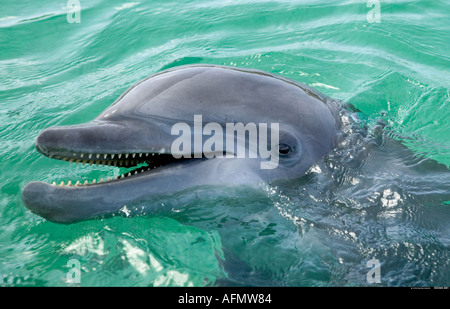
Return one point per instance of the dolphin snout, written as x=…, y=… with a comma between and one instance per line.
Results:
x=87, y=138
x=48, y=140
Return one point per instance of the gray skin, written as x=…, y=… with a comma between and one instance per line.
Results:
x=140, y=121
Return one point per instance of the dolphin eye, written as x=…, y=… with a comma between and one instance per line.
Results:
x=284, y=149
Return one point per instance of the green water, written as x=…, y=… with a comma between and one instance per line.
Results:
x=53, y=72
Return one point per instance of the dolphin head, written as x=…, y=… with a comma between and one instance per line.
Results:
x=185, y=127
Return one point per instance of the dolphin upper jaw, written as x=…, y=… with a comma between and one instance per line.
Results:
x=104, y=137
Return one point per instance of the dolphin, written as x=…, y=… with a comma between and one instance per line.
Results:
x=136, y=132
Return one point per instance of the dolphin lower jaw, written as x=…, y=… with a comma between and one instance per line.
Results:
x=68, y=203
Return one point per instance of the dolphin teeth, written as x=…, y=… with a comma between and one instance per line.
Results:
x=86, y=183
x=115, y=177
x=77, y=161
x=136, y=172
x=90, y=156
x=108, y=179
x=90, y=162
x=62, y=184
x=129, y=174
x=70, y=160
x=101, y=180
x=120, y=156
x=140, y=155
x=126, y=156
x=97, y=156
x=77, y=183
x=134, y=155
x=54, y=183
x=94, y=181
x=112, y=156
x=69, y=183
x=153, y=154
x=64, y=159
x=84, y=162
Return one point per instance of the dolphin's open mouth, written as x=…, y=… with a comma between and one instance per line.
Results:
x=104, y=144
x=146, y=172
x=136, y=163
